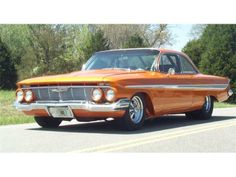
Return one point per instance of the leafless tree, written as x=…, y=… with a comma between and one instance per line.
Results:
x=153, y=34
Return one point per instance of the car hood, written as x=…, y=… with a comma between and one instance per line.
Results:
x=80, y=77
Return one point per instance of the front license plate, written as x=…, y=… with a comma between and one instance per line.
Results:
x=60, y=112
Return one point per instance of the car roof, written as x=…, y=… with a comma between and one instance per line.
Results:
x=162, y=50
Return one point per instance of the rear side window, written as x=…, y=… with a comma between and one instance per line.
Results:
x=186, y=66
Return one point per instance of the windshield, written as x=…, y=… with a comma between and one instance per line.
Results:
x=122, y=59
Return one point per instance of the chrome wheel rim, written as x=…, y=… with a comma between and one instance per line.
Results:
x=207, y=105
x=136, y=109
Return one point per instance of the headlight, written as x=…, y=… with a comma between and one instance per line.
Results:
x=97, y=94
x=28, y=95
x=19, y=95
x=110, y=95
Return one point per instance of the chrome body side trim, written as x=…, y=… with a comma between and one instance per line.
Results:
x=182, y=86
x=121, y=104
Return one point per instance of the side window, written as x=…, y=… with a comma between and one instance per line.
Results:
x=169, y=61
x=186, y=66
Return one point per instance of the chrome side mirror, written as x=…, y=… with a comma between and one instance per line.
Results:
x=83, y=67
x=171, y=71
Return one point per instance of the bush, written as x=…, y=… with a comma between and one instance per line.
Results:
x=215, y=52
x=8, y=76
x=194, y=50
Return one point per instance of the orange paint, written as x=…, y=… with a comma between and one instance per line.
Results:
x=38, y=112
x=88, y=114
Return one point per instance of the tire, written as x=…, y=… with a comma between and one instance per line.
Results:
x=48, y=122
x=135, y=115
x=204, y=113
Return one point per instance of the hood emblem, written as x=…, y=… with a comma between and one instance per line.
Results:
x=64, y=89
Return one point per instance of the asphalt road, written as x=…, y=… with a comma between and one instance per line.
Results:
x=166, y=134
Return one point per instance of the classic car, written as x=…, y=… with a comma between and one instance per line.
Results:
x=124, y=85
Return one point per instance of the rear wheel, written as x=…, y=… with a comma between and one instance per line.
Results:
x=135, y=114
x=205, y=112
x=47, y=122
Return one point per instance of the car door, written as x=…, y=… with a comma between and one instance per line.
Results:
x=176, y=97
x=190, y=70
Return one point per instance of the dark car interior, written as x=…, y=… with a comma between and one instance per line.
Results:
x=169, y=61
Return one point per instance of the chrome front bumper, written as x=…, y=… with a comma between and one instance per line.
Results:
x=121, y=104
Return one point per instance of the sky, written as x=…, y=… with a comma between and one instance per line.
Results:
x=180, y=34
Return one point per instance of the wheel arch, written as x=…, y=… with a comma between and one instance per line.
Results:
x=214, y=98
x=148, y=101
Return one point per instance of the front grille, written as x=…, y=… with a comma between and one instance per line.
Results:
x=60, y=93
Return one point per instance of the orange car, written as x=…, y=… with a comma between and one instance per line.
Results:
x=128, y=85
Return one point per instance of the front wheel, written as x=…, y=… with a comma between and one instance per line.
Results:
x=135, y=114
x=48, y=122
x=205, y=112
